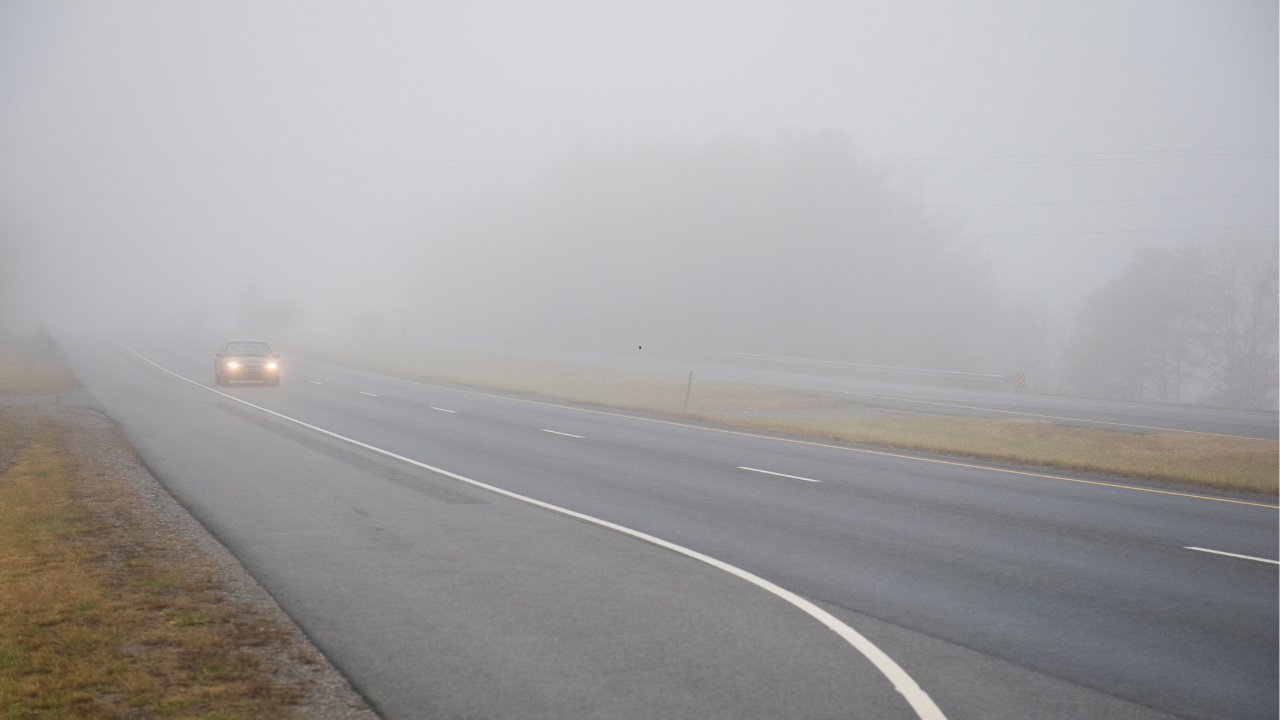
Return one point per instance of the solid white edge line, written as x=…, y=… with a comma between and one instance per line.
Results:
x=1243, y=557
x=369, y=394
x=769, y=472
x=433, y=407
x=919, y=700
x=557, y=432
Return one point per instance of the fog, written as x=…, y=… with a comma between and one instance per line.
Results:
x=951, y=186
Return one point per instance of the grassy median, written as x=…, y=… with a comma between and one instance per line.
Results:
x=560, y=381
x=1208, y=461
x=1201, y=460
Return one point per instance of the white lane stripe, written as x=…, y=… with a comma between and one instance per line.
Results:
x=369, y=394
x=564, y=434
x=313, y=382
x=902, y=682
x=1242, y=557
x=811, y=443
x=767, y=472
x=433, y=407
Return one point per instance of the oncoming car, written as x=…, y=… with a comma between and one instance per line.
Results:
x=246, y=360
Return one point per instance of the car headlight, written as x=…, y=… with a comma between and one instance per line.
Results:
x=271, y=366
x=233, y=365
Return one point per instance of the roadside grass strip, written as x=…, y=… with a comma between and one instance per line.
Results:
x=1218, y=462
x=916, y=697
x=20, y=373
x=97, y=620
x=1041, y=415
x=1209, y=461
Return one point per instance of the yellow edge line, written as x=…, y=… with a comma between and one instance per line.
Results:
x=803, y=442
x=1051, y=417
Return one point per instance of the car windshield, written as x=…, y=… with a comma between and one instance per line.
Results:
x=248, y=348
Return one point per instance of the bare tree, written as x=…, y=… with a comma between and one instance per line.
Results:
x=367, y=324
x=1186, y=324
x=1243, y=315
x=256, y=315
x=285, y=314
x=1136, y=337
x=249, y=317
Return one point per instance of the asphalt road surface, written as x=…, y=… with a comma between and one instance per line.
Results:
x=1001, y=592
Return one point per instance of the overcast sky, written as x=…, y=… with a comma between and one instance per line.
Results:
x=161, y=152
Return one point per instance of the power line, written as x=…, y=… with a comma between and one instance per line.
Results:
x=621, y=210
x=1083, y=202
x=351, y=158
x=1087, y=163
x=191, y=236
x=1247, y=148
x=1104, y=232
x=538, y=167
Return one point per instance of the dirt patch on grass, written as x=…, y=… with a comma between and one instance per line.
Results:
x=114, y=603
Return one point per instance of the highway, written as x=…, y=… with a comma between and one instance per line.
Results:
x=1002, y=592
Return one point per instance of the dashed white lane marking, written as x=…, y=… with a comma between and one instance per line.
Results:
x=369, y=394
x=564, y=434
x=919, y=700
x=769, y=472
x=313, y=382
x=1242, y=557
x=433, y=407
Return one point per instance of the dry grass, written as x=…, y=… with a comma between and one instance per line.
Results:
x=1199, y=460
x=21, y=373
x=98, y=621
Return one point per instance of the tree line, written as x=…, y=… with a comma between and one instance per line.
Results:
x=1191, y=323
x=793, y=246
